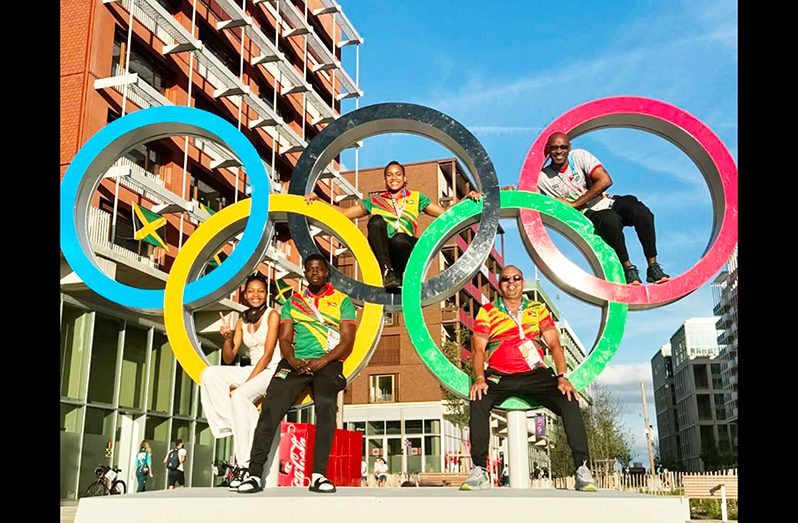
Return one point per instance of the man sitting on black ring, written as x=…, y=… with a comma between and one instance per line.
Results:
x=393, y=225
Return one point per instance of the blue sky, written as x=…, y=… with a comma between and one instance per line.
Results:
x=506, y=73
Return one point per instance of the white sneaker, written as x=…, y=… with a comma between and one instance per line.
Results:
x=478, y=479
x=239, y=475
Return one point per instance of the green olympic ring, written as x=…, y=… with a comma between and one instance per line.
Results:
x=568, y=221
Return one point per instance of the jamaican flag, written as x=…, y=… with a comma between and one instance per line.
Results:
x=217, y=258
x=145, y=225
x=284, y=291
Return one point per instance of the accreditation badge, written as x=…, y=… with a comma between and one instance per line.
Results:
x=333, y=339
x=530, y=353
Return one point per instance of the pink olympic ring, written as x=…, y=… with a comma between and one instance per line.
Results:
x=683, y=130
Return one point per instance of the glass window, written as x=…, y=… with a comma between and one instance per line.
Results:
x=356, y=425
x=98, y=436
x=375, y=428
x=161, y=362
x=207, y=194
x=432, y=453
x=184, y=390
x=103, y=359
x=393, y=427
x=394, y=458
x=134, y=369
x=202, y=475
x=414, y=456
x=414, y=426
x=381, y=388
x=375, y=451
x=432, y=426
x=71, y=420
x=156, y=431
x=76, y=327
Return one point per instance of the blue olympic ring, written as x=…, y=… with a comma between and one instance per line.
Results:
x=103, y=149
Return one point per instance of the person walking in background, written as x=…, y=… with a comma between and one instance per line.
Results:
x=174, y=463
x=143, y=465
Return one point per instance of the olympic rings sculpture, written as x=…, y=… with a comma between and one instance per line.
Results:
x=685, y=131
x=409, y=118
x=185, y=292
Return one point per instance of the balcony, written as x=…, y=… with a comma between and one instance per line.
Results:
x=163, y=25
x=450, y=313
x=125, y=168
x=99, y=230
x=144, y=95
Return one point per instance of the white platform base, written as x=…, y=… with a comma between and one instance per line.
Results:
x=385, y=505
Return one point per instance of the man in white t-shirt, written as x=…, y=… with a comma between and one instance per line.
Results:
x=580, y=180
x=174, y=463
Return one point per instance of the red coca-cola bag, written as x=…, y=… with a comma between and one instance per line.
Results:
x=296, y=456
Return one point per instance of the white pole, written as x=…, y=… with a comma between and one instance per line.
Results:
x=517, y=449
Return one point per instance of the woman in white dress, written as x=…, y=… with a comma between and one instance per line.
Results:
x=234, y=414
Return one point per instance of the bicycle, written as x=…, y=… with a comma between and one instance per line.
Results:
x=224, y=470
x=106, y=475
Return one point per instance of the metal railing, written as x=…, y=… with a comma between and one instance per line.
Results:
x=99, y=227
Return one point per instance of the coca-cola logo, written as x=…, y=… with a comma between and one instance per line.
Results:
x=297, y=454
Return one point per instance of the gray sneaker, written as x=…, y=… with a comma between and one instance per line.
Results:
x=477, y=480
x=584, y=479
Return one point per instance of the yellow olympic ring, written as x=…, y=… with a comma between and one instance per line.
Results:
x=369, y=327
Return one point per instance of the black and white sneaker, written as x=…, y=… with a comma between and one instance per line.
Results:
x=322, y=484
x=250, y=484
x=239, y=475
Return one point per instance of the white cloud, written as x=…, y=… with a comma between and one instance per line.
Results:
x=625, y=373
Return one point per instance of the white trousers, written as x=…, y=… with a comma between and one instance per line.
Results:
x=233, y=414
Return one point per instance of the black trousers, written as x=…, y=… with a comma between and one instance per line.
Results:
x=391, y=253
x=627, y=211
x=539, y=384
x=281, y=395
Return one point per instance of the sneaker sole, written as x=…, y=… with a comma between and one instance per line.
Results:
x=635, y=283
x=661, y=280
x=589, y=488
x=469, y=487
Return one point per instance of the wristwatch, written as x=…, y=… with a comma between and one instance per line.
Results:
x=562, y=375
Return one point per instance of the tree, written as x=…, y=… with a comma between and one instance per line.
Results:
x=457, y=409
x=606, y=438
x=562, y=464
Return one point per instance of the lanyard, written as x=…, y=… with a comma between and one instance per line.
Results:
x=400, y=210
x=309, y=300
x=567, y=181
x=517, y=317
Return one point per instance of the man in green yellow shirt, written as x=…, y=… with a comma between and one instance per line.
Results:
x=317, y=332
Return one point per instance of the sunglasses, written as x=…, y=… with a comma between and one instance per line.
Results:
x=556, y=147
x=514, y=277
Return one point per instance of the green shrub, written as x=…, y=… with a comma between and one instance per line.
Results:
x=710, y=508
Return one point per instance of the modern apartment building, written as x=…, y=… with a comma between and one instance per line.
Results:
x=665, y=407
x=273, y=69
x=724, y=294
x=700, y=429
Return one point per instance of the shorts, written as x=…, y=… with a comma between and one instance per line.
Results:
x=379, y=477
x=176, y=476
